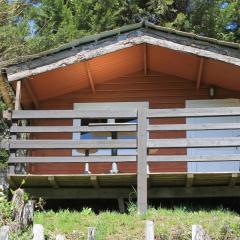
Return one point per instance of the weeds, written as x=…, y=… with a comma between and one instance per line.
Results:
x=169, y=224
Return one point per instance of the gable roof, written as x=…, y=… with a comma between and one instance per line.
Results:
x=127, y=36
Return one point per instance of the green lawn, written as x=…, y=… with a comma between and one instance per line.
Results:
x=169, y=224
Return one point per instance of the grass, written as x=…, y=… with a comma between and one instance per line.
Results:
x=169, y=224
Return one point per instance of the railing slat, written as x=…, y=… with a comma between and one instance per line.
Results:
x=66, y=144
x=62, y=129
x=193, y=112
x=185, y=158
x=82, y=159
x=194, y=142
x=184, y=127
x=71, y=114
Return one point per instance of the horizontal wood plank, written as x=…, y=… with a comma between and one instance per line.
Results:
x=185, y=127
x=193, y=112
x=114, y=193
x=194, y=142
x=72, y=114
x=71, y=144
x=184, y=158
x=64, y=129
x=82, y=159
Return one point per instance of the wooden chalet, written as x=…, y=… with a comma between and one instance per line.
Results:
x=141, y=110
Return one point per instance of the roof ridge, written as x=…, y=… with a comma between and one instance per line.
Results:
x=126, y=28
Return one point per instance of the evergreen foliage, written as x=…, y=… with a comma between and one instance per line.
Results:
x=31, y=26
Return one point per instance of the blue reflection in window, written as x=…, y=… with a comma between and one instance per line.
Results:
x=101, y=136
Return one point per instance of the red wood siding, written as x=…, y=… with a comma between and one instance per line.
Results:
x=164, y=91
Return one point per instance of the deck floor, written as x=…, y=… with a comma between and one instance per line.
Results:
x=160, y=185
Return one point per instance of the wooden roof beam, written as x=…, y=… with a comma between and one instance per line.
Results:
x=233, y=179
x=200, y=72
x=52, y=180
x=90, y=78
x=31, y=93
x=145, y=60
x=94, y=181
x=189, y=180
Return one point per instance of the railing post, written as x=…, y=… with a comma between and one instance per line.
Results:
x=142, y=161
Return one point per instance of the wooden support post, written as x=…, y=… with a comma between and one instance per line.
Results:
x=189, y=180
x=31, y=93
x=142, y=161
x=52, y=180
x=90, y=78
x=200, y=72
x=233, y=179
x=145, y=60
x=121, y=204
x=149, y=230
x=114, y=150
x=94, y=181
x=91, y=233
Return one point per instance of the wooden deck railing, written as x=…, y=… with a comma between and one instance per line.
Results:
x=143, y=143
x=16, y=144
x=194, y=142
x=141, y=128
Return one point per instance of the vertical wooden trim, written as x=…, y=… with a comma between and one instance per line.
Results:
x=142, y=161
x=18, y=96
x=200, y=72
x=90, y=78
x=145, y=60
x=31, y=93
